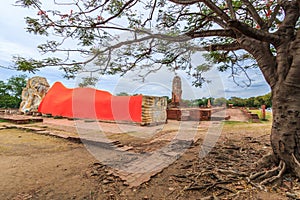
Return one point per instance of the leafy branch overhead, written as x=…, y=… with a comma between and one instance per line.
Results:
x=119, y=35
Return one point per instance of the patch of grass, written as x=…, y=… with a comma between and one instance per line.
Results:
x=237, y=125
x=246, y=128
x=259, y=113
x=234, y=123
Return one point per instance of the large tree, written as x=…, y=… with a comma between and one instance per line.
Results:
x=239, y=34
x=11, y=91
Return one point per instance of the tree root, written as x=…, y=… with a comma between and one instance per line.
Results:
x=236, y=173
x=265, y=161
x=296, y=161
x=281, y=168
x=271, y=175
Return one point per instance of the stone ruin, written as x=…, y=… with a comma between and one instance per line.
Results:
x=178, y=111
x=33, y=94
x=208, y=103
x=176, y=92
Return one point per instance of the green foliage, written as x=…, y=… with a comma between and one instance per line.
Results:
x=122, y=94
x=233, y=123
x=7, y=101
x=259, y=113
x=28, y=3
x=88, y=82
x=254, y=102
x=198, y=74
x=198, y=102
x=86, y=37
x=16, y=84
x=11, y=91
x=3, y=88
x=29, y=65
x=115, y=6
x=71, y=72
x=33, y=65
x=34, y=26
x=220, y=101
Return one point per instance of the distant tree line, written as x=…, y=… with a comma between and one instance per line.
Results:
x=197, y=102
x=123, y=94
x=254, y=102
x=11, y=91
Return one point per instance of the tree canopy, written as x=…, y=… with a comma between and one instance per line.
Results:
x=11, y=91
x=255, y=102
x=159, y=32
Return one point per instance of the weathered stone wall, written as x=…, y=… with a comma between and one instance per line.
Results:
x=33, y=94
x=154, y=110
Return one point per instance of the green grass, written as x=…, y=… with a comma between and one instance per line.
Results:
x=259, y=113
x=234, y=123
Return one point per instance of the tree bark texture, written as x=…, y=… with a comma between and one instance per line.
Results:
x=285, y=135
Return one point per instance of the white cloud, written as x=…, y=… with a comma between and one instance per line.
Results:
x=10, y=48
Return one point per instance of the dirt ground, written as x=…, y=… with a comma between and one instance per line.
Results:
x=34, y=166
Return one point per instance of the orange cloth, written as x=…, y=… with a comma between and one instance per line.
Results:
x=90, y=103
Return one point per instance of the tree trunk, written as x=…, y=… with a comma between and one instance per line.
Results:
x=285, y=135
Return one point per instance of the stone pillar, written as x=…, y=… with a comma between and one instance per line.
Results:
x=263, y=112
x=208, y=103
x=176, y=91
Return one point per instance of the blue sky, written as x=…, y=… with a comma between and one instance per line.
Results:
x=14, y=40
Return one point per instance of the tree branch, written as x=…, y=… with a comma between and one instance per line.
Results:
x=273, y=16
x=178, y=17
x=254, y=33
x=151, y=13
x=224, y=47
x=292, y=77
x=65, y=4
x=254, y=14
x=140, y=57
x=186, y=2
x=232, y=13
x=217, y=10
x=95, y=8
x=208, y=3
x=292, y=13
x=218, y=21
x=219, y=47
x=208, y=33
x=264, y=57
x=125, y=6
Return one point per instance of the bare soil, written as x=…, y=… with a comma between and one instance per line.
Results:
x=41, y=167
x=34, y=166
